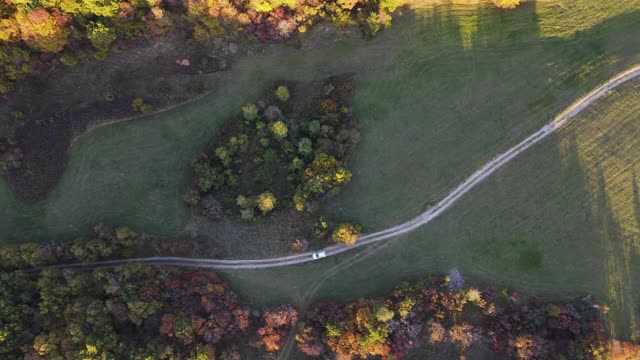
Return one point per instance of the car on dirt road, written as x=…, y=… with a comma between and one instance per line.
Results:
x=319, y=255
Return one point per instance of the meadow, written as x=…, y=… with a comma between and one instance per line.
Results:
x=439, y=93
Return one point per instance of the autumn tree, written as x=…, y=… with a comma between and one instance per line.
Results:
x=266, y=202
x=279, y=129
x=507, y=4
x=42, y=31
x=346, y=234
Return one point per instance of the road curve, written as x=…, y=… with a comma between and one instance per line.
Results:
x=431, y=213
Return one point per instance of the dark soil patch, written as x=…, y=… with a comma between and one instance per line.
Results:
x=107, y=91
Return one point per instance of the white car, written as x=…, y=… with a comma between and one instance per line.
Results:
x=319, y=255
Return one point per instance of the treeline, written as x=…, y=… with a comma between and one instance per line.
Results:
x=443, y=312
x=133, y=312
x=142, y=312
x=36, y=33
x=107, y=243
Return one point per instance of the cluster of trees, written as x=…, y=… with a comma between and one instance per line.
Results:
x=344, y=233
x=133, y=312
x=421, y=313
x=282, y=150
x=142, y=312
x=107, y=243
x=34, y=33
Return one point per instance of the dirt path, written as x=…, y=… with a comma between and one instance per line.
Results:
x=431, y=213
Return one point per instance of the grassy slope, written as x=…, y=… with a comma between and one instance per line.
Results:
x=439, y=93
x=561, y=219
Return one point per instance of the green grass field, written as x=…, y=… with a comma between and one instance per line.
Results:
x=561, y=220
x=440, y=92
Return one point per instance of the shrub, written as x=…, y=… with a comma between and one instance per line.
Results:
x=101, y=37
x=320, y=227
x=139, y=105
x=108, y=96
x=68, y=58
x=305, y=147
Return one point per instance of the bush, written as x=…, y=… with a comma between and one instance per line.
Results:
x=108, y=96
x=139, y=105
x=69, y=58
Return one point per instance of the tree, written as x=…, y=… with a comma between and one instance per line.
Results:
x=347, y=234
x=507, y=4
x=266, y=202
x=305, y=147
x=282, y=93
x=41, y=31
x=384, y=314
x=101, y=37
x=138, y=104
x=249, y=112
x=279, y=129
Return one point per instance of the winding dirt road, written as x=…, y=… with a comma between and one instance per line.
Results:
x=433, y=212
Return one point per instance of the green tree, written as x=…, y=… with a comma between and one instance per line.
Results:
x=224, y=154
x=14, y=311
x=91, y=250
x=250, y=112
x=54, y=293
x=384, y=314
x=34, y=254
x=305, y=147
x=101, y=37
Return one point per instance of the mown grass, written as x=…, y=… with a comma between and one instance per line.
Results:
x=562, y=219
